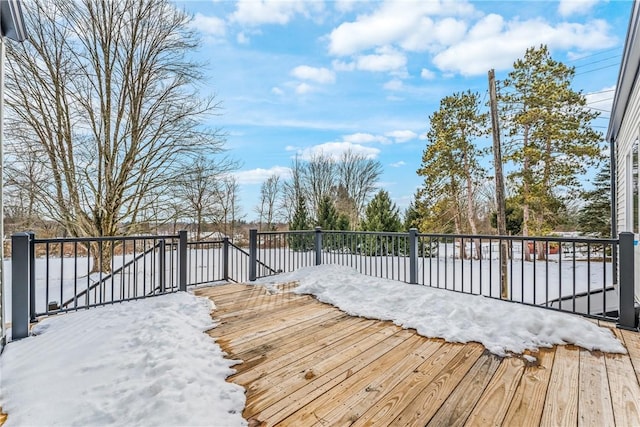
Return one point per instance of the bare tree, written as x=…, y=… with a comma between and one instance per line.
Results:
x=269, y=193
x=358, y=177
x=293, y=190
x=198, y=188
x=319, y=179
x=108, y=100
x=228, y=203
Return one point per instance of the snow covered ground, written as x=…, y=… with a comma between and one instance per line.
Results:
x=137, y=363
x=502, y=327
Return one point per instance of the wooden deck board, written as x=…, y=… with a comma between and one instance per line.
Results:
x=307, y=363
x=594, y=402
x=498, y=394
x=561, y=403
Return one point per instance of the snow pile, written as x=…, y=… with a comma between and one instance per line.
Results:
x=502, y=327
x=145, y=362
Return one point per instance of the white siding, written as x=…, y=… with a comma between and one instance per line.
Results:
x=627, y=136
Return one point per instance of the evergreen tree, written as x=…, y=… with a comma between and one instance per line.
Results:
x=450, y=164
x=300, y=221
x=514, y=217
x=595, y=216
x=327, y=214
x=381, y=214
x=550, y=139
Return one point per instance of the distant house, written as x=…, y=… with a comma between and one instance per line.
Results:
x=624, y=136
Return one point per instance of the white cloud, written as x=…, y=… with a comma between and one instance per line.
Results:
x=259, y=175
x=345, y=5
x=318, y=75
x=397, y=164
x=494, y=43
x=402, y=135
x=385, y=59
x=343, y=66
x=409, y=24
x=242, y=38
x=209, y=25
x=601, y=100
x=365, y=138
x=336, y=149
x=304, y=88
x=277, y=91
x=259, y=12
x=427, y=74
x=395, y=84
x=571, y=7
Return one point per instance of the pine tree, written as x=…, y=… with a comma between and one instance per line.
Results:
x=450, y=164
x=300, y=221
x=327, y=214
x=381, y=214
x=595, y=216
x=550, y=138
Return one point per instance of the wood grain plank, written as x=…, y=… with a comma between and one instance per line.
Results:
x=315, y=410
x=528, y=401
x=320, y=385
x=594, y=405
x=270, y=363
x=221, y=290
x=272, y=345
x=387, y=409
x=456, y=409
x=421, y=409
x=494, y=403
x=561, y=403
x=350, y=406
x=318, y=368
x=632, y=342
x=282, y=320
x=625, y=391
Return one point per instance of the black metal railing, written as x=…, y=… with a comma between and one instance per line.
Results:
x=570, y=274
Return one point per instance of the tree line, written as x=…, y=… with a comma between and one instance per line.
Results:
x=335, y=193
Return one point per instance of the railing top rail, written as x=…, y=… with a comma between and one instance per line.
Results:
x=103, y=239
x=591, y=240
x=373, y=233
x=581, y=239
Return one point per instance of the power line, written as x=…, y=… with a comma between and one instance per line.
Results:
x=595, y=54
x=598, y=69
x=596, y=62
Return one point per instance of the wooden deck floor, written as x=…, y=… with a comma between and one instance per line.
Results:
x=307, y=363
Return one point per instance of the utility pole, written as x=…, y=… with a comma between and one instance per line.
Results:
x=499, y=181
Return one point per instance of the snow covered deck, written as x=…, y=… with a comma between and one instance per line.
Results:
x=308, y=363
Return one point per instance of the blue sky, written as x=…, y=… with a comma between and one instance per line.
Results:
x=302, y=77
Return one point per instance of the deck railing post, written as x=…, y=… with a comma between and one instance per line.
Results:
x=182, y=260
x=162, y=265
x=32, y=277
x=225, y=258
x=318, y=245
x=626, y=308
x=20, y=302
x=413, y=256
x=253, y=254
